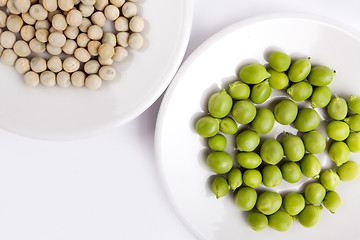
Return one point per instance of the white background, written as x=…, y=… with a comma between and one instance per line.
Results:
x=107, y=187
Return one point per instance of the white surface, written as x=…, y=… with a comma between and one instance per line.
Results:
x=95, y=189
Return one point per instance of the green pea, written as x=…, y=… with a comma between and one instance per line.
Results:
x=320, y=97
x=271, y=151
x=279, y=61
x=300, y=91
x=247, y=141
x=329, y=179
x=354, y=103
x=268, y=202
x=219, y=162
x=307, y=120
x=244, y=111
x=228, y=126
x=337, y=108
x=249, y=160
x=252, y=178
x=293, y=203
x=314, y=142
x=257, y=221
x=245, y=198
x=353, y=142
x=310, y=216
x=253, y=74
x=239, y=90
x=219, y=186
x=264, y=121
x=293, y=147
x=285, y=112
x=332, y=201
x=291, y=172
x=278, y=80
x=339, y=152
x=321, y=76
x=207, y=126
x=310, y=166
x=353, y=122
x=272, y=176
x=314, y=193
x=234, y=178
x=337, y=130
x=299, y=70
x=260, y=92
x=217, y=142
x=348, y=171
x=220, y=104
x=280, y=221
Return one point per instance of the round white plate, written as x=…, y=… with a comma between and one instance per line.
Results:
x=181, y=153
x=72, y=113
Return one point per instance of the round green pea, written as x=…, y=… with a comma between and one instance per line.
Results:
x=314, y=193
x=354, y=103
x=278, y=80
x=314, y=142
x=219, y=162
x=299, y=70
x=293, y=147
x=310, y=166
x=268, y=202
x=329, y=179
x=220, y=104
x=264, y=121
x=300, y=91
x=248, y=160
x=310, y=216
x=272, y=176
x=279, y=61
x=337, y=108
x=228, y=126
x=260, y=92
x=271, y=151
x=217, y=142
x=244, y=111
x=239, y=90
x=280, y=221
x=348, y=171
x=339, y=152
x=285, y=112
x=321, y=76
x=253, y=73
x=293, y=203
x=353, y=122
x=257, y=221
x=320, y=97
x=247, y=141
x=252, y=178
x=234, y=178
x=207, y=126
x=307, y=120
x=219, y=186
x=338, y=130
x=353, y=142
x=291, y=172
x=332, y=201
x=245, y=198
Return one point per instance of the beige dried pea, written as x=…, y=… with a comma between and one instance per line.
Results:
x=84, y=26
x=107, y=73
x=53, y=50
x=117, y=3
x=43, y=24
x=22, y=65
x=86, y=10
x=98, y=18
x=69, y=47
x=22, y=5
x=57, y=39
x=42, y=35
x=136, y=41
x=54, y=64
x=66, y=5
x=71, y=32
x=78, y=79
x=14, y=23
x=36, y=46
x=38, y=64
x=122, y=24
x=129, y=9
x=48, y=79
x=106, y=51
x=136, y=24
x=27, y=32
x=93, y=82
x=59, y=22
x=74, y=18
x=101, y=4
x=109, y=37
x=120, y=54
x=71, y=64
x=111, y=12
x=82, y=40
x=3, y=18
x=31, y=79
x=63, y=79
x=93, y=47
x=28, y=19
x=22, y=49
x=8, y=57
x=50, y=5
x=92, y=67
x=95, y=32
x=7, y=39
x=82, y=54
x=38, y=12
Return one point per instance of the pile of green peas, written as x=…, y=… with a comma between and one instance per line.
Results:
x=268, y=162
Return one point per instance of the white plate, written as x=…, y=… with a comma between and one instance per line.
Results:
x=181, y=153
x=58, y=114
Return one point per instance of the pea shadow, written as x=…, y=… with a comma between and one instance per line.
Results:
x=269, y=50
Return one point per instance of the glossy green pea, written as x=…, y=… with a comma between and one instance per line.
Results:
x=339, y=152
x=219, y=186
x=219, y=162
x=293, y=203
x=307, y=120
x=207, y=126
x=264, y=121
x=314, y=193
x=239, y=90
x=320, y=97
x=244, y=111
x=293, y=147
x=353, y=142
x=245, y=198
x=285, y=112
x=272, y=176
x=228, y=126
x=337, y=130
x=354, y=103
x=310, y=166
x=299, y=70
x=260, y=92
x=337, y=108
x=268, y=202
x=247, y=141
x=271, y=151
x=279, y=61
x=252, y=178
x=234, y=178
x=280, y=221
x=321, y=76
x=314, y=142
x=291, y=172
x=348, y=171
x=329, y=179
x=257, y=221
x=310, y=216
x=253, y=74
x=300, y=91
x=217, y=142
x=332, y=201
x=278, y=80
x=353, y=122
x=220, y=104
x=248, y=160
